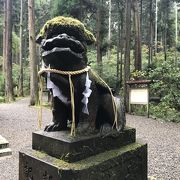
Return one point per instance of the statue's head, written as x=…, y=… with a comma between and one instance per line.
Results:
x=63, y=41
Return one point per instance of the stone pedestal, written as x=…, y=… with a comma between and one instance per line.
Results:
x=4, y=147
x=57, y=156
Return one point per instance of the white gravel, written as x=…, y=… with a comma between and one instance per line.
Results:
x=18, y=121
x=163, y=146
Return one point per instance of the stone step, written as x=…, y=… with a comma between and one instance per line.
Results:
x=5, y=152
x=3, y=143
x=71, y=149
x=125, y=163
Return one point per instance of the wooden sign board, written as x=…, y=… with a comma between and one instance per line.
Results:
x=139, y=96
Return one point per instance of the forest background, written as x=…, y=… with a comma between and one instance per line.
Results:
x=135, y=39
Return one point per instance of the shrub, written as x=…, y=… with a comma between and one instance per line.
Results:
x=165, y=112
x=167, y=87
x=2, y=86
x=108, y=67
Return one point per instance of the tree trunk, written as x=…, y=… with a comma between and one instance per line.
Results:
x=122, y=45
x=118, y=57
x=81, y=10
x=98, y=38
x=109, y=31
x=176, y=33
x=156, y=20
x=165, y=42
x=21, y=52
x=32, y=55
x=138, y=59
x=141, y=16
x=127, y=53
x=4, y=36
x=25, y=37
x=165, y=20
x=150, y=34
x=8, y=56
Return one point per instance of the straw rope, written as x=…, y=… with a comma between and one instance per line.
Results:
x=40, y=102
x=112, y=97
x=64, y=72
x=69, y=74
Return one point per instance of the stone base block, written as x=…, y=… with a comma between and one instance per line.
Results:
x=125, y=163
x=5, y=152
x=3, y=143
x=62, y=146
x=4, y=147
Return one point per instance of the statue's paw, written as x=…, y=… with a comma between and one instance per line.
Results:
x=105, y=129
x=53, y=127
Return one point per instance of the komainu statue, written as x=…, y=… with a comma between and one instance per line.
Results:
x=80, y=96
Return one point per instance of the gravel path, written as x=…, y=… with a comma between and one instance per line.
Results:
x=163, y=146
x=18, y=121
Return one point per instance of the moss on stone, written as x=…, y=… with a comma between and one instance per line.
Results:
x=94, y=160
x=67, y=25
x=98, y=80
x=39, y=154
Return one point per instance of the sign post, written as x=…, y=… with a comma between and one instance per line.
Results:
x=139, y=93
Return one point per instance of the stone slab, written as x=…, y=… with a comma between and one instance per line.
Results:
x=125, y=163
x=3, y=143
x=71, y=149
x=5, y=152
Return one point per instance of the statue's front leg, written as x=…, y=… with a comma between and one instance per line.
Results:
x=60, y=111
x=87, y=119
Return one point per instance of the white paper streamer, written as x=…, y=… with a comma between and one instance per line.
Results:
x=87, y=92
x=56, y=91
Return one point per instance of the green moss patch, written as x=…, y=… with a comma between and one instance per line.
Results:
x=39, y=154
x=68, y=25
x=95, y=160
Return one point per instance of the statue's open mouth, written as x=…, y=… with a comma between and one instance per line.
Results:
x=62, y=46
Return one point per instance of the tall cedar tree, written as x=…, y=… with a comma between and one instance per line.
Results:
x=21, y=52
x=127, y=53
x=8, y=54
x=150, y=32
x=99, y=35
x=138, y=59
x=32, y=55
x=4, y=36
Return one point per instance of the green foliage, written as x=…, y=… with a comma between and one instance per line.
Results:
x=60, y=7
x=74, y=8
x=26, y=80
x=167, y=87
x=108, y=67
x=167, y=84
x=165, y=112
x=145, y=52
x=15, y=42
x=1, y=78
x=42, y=12
x=16, y=70
x=135, y=75
x=1, y=35
x=2, y=99
x=139, y=109
x=2, y=86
